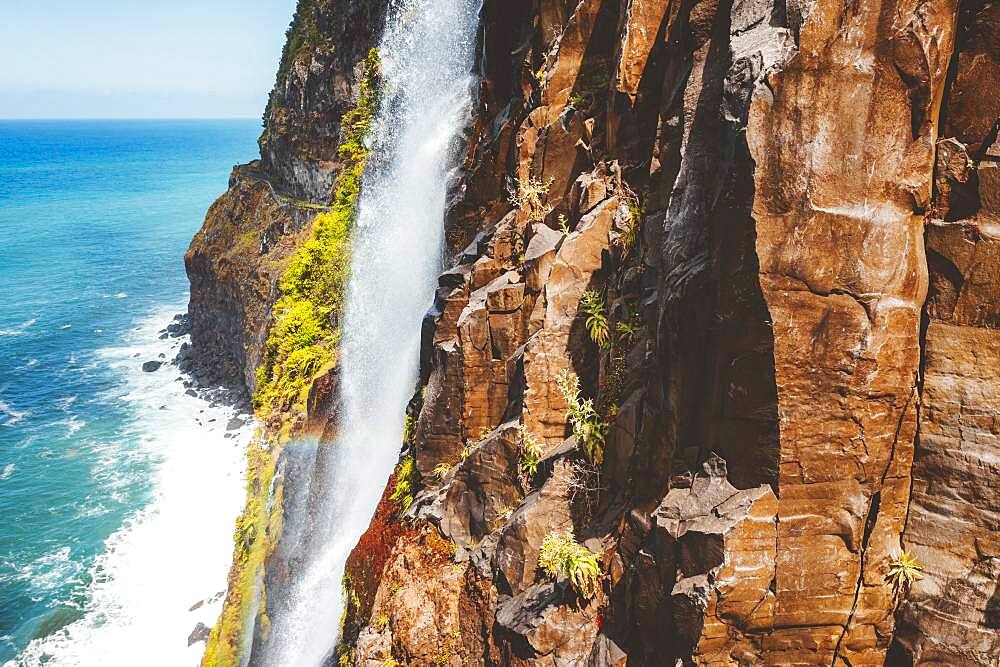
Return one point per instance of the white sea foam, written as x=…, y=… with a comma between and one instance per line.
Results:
x=175, y=552
x=8, y=470
x=19, y=329
x=9, y=416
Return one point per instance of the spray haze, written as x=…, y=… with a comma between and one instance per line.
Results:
x=427, y=53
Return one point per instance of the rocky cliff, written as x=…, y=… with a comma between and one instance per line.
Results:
x=716, y=352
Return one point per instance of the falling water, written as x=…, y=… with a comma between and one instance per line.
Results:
x=427, y=53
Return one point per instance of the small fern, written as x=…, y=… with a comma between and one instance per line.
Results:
x=441, y=470
x=407, y=482
x=563, y=225
x=588, y=427
x=903, y=572
x=597, y=322
x=561, y=555
x=531, y=453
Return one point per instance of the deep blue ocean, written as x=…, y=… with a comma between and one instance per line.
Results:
x=104, y=505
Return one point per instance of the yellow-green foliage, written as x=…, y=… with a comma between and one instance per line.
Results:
x=592, y=305
x=306, y=328
x=588, y=427
x=255, y=527
x=903, y=572
x=407, y=482
x=561, y=555
x=409, y=429
x=531, y=453
x=301, y=342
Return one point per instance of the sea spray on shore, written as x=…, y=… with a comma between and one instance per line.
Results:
x=163, y=572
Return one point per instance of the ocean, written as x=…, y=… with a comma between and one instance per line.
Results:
x=118, y=490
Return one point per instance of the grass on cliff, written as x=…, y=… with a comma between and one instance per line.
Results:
x=301, y=342
x=562, y=555
x=306, y=328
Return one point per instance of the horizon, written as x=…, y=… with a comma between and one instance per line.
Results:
x=116, y=61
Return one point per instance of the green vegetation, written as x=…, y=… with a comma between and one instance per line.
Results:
x=561, y=555
x=563, y=224
x=588, y=427
x=300, y=344
x=302, y=33
x=597, y=322
x=259, y=521
x=441, y=470
x=531, y=196
x=630, y=234
x=306, y=328
x=628, y=331
x=407, y=482
x=409, y=429
x=903, y=572
x=531, y=453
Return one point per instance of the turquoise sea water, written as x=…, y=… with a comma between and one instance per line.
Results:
x=95, y=217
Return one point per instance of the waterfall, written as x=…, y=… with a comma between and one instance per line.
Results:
x=427, y=53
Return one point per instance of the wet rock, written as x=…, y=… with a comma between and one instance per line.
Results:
x=151, y=366
x=199, y=634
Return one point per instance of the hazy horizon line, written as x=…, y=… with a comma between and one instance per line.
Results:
x=79, y=118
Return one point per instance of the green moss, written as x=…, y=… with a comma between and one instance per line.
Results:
x=259, y=521
x=300, y=347
x=306, y=328
x=407, y=482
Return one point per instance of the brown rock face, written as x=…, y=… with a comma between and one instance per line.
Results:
x=765, y=237
x=237, y=257
x=233, y=264
x=952, y=616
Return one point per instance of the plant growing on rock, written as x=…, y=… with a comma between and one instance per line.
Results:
x=592, y=305
x=407, y=482
x=441, y=470
x=627, y=331
x=531, y=195
x=903, y=572
x=563, y=225
x=562, y=556
x=409, y=429
x=588, y=427
x=531, y=453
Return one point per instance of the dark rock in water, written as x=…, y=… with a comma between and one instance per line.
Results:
x=235, y=424
x=197, y=605
x=151, y=366
x=181, y=326
x=164, y=336
x=191, y=392
x=199, y=634
x=162, y=356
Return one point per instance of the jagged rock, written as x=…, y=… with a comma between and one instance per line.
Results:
x=542, y=512
x=558, y=634
x=479, y=490
x=151, y=366
x=199, y=634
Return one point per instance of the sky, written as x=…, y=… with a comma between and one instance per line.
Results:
x=139, y=58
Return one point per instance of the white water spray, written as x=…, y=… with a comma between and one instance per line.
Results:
x=427, y=54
